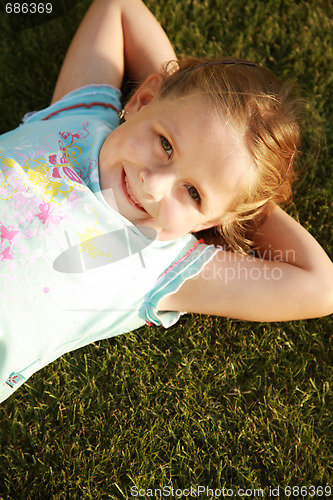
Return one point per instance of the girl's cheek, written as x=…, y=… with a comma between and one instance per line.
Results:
x=137, y=148
x=173, y=213
x=135, y=143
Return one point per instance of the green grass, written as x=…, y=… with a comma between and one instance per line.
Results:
x=210, y=401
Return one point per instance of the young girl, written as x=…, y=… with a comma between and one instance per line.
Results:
x=96, y=218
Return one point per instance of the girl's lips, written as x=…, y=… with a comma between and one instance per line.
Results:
x=129, y=193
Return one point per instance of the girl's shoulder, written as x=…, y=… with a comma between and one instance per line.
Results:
x=100, y=101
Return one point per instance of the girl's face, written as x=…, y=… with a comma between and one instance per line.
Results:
x=172, y=165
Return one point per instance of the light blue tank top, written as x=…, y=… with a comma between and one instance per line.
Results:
x=72, y=269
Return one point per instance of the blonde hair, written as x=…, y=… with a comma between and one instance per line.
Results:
x=265, y=109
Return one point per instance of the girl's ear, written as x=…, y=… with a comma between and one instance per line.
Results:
x=144, y=94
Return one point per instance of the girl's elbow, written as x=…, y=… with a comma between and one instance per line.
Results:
x=316, y=294
x=325, y=295
x=329, y=299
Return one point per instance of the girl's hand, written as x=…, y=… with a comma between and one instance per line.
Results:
x=114, y=36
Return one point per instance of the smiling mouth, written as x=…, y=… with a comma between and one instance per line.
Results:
x=130, y=195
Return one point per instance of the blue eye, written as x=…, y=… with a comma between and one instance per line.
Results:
x=193, y=193
x=166, y=146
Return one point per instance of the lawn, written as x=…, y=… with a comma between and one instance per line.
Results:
x=210, y=402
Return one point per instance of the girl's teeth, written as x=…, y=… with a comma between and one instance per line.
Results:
x=130, y=194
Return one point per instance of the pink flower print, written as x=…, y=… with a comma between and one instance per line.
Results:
x=71, y=176
x=67, y=139
x=7, y=234
x=54, y=173
x=53, y=159
x=48, y=214
x=67, y=174
x=56, y=159
x=6, y=254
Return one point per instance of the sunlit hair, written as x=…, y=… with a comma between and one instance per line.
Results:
x=265, y=111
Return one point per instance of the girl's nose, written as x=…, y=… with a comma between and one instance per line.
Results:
x=157, y=184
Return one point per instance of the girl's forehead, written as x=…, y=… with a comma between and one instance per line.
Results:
x=189, y=108
x=204, y=114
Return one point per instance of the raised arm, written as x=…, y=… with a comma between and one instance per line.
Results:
x=291, y=279
x=114, y=34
